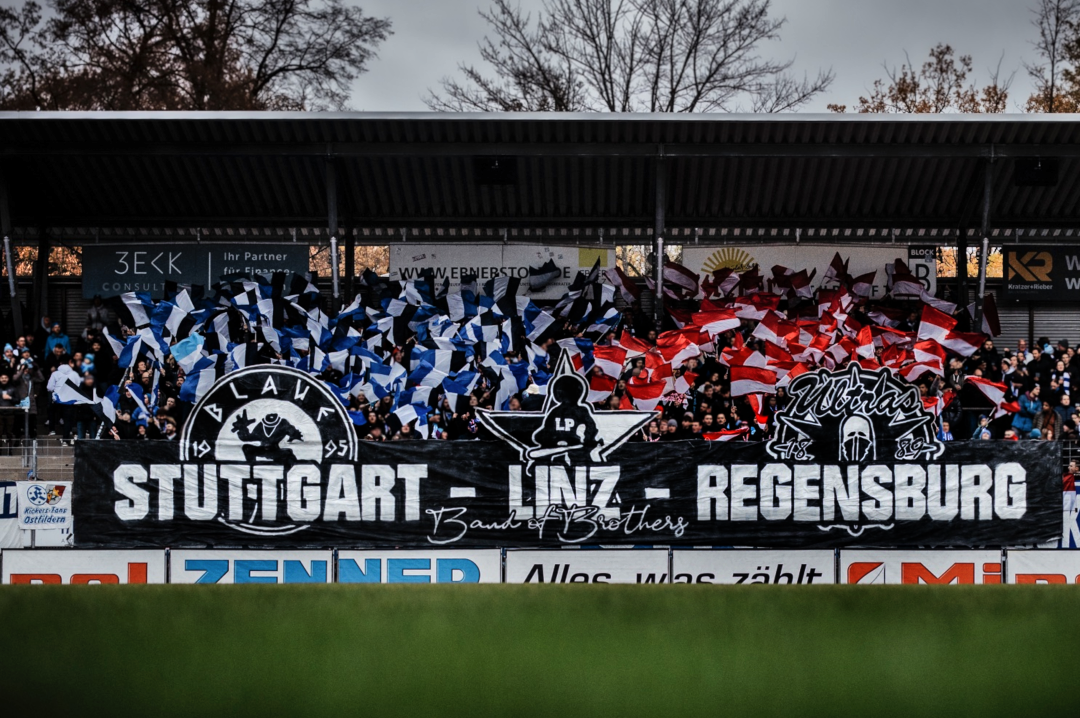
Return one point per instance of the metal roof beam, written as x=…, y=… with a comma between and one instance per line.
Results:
x=542, y=149
x=644, y=223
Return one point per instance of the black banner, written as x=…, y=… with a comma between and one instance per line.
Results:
x=1041, y=272
x=269, y=458
x=476, y=494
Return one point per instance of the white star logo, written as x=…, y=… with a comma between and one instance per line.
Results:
x=568, y=428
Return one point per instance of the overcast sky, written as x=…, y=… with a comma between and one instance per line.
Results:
x=854, y=37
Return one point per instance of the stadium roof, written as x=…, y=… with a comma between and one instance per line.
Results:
x=544, y=176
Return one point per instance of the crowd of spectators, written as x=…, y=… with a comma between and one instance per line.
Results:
x=1040, y=393
x=32, y=366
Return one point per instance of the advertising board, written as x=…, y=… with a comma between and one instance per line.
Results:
x=1042, y=566
x=588, y=566
x=488, y=261
x=929, y=567
x=1041, y=273
x=762, y=567
x=82, y=567
x=862, y=259
x=481, y=566
x=111, y=270
x=223, y=566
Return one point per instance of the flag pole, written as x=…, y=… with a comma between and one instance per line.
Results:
x=658, y=240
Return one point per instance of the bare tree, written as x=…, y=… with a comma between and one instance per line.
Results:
x=630, y=56
x=1056, y=21
x=184, y=54
x=940, y=85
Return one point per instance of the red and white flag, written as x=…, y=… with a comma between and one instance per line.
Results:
x=904, y=282
x=863, y=285
x=774, y=328
x=756, y=404
x=935, y=324
x=727, y=434
x=629, y=290
x=864, y=343
x=913, y=371
x=837, y=270
x=791, y=374
x=600, y=387
x=886, y=336
x=963, y=343
x=721, y=282
x=895, y=357
x=658, y=367
x=751, y=380
x=929, y=351
x=755, y=306
x=680, y=279
x=685, y=382
x=646, y=395
x=742, y=357
x=991, y=390
x=634, y=347
x=610, y=360
x=681, y=317
x=717, y=322
x=678, y=346
x=800, y=284
x=750, y=280
x=939, y=304
x=887, y=316
x=991, y=323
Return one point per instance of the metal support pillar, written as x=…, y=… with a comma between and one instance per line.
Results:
x=658, y=241
x=39, y=303
x=332, y=223
x=961, y=266
x=5, y=232
x=988, y=191
x=350, y=265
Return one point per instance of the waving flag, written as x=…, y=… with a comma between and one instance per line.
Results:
x=718, y=321
x=935, y=324
x=727, y=434
x=991, y=390
x=646, y=395
x=963, y=343
x=751, y=380
x=140, y=306
x=600, y=388
x=626, y=286
x=610, y=360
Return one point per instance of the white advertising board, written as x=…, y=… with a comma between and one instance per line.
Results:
x=931, y=567
x=753, y=566
x=488, y=261
x=443, y=566
x=83, y=567
x=199, y=566
x=862, y=258
x=45, y=504
x=1042, y=567
x=588, y=566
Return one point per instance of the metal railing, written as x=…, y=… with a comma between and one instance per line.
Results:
x=44, y=459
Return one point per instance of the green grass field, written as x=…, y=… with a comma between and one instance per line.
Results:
x=545, y=650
